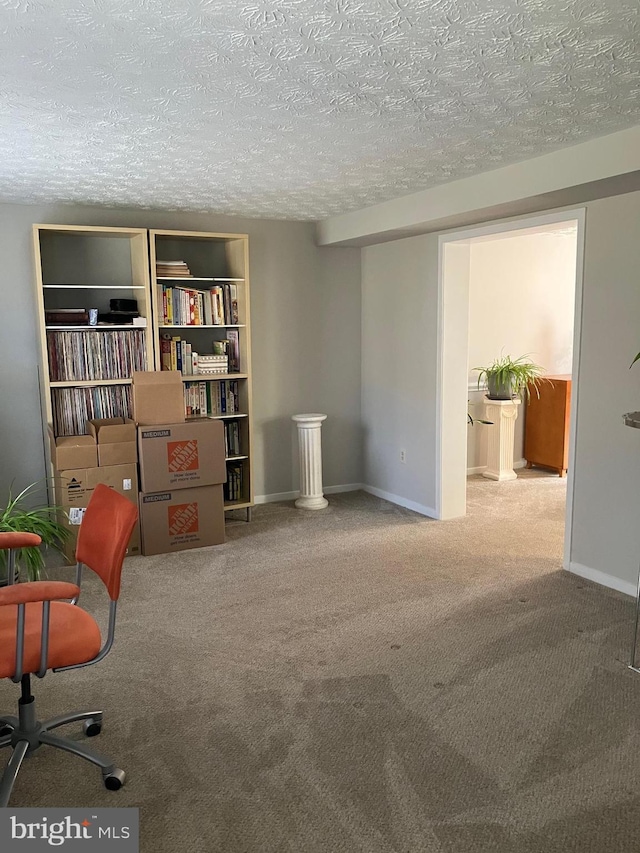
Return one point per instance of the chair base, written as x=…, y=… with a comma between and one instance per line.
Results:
x=25, y=734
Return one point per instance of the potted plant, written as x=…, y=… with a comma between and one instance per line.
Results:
x=20, y=516
x=471, y=420
x=507, y=378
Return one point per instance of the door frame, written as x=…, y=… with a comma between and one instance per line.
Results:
x=453, y=349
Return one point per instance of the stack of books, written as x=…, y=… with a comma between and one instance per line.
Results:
x=66, y=317
x=172, y=269
x=207, y=364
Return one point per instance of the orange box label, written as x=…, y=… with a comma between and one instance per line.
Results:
x=182, y=456
x=183, y=518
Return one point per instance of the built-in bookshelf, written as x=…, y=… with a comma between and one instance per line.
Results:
x=95, y=321
x=201, y=310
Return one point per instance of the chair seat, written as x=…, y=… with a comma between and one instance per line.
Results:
x=74, y=637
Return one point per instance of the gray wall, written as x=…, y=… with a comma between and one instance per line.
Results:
x=305, y=336
x=606, y=524
x=399, y=328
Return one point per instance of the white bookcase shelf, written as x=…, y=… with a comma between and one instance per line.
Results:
x=82, y=267
x=92, y=287
x=214, y=260
x=189, y=278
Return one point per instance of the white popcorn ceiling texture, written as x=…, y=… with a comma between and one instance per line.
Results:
x=298, y=109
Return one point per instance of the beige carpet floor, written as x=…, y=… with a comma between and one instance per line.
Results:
x=364, y=679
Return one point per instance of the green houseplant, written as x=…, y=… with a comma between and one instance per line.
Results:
x=507, y=378
x=19, y=515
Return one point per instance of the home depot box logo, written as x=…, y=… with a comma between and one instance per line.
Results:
x=182, y=456
x=183, y=519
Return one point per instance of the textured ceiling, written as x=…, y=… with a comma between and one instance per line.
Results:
x=299, y=109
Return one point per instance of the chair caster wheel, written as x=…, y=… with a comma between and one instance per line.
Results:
x=115, y=780
x=92, y=727
x=5, y=730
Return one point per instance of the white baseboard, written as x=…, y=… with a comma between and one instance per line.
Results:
x=351, y=487
x=347, y=487
x=521, y=463
x=292, y=496
x=603, y=579
x=396, y=499
x=276, y=496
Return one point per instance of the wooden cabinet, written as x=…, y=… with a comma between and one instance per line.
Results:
x=546, y=436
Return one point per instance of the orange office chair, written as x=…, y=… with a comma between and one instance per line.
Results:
x=39, y=631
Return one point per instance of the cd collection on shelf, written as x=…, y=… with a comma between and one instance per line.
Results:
x=95, y=354
x=73, y=407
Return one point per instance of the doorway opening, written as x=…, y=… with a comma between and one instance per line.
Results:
x=510, y=289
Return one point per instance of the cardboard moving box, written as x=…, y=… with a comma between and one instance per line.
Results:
x=112, y=430
x=123, y=453
x=73, y=489
x=181, y=455
x=158, y=397
x=116, y=440
x=181, y=519
x=73, y=451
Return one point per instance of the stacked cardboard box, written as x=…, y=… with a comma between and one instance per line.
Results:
x=115, y=439
x=182, y=468
x=80, y=466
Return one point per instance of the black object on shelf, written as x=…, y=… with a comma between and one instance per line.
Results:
x=130, y=306
x=118, y=318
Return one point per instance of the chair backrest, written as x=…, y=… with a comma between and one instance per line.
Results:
x=104, y=534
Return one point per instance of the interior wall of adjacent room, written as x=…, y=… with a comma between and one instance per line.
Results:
x=521, y=302
x=399, y=385
x=305, y=303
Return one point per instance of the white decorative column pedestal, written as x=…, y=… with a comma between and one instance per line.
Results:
x=310, y=446
x=503, y=415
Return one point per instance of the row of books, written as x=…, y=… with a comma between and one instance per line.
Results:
x=211, y=398
x=178, y=354
x=182, y=306
x=232, y=438
x=73, y=407
x=80, y=355
x=233, y=490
